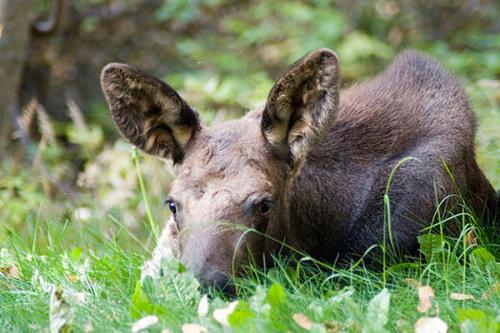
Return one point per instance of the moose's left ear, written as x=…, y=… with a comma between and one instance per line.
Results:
x=301, y=106
x=148, y=112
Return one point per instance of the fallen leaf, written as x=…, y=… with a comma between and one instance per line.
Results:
x=80, y=297
x=460, y=296
x=61, y=315
x=222, y=315
x=470, y=238
x=485, y=83
x=194, y=328
x=425, y=294
x=10, y=272
x=333, y=326
x=73, y=278
x=413, y=283
x=144, y=323
x=495, y=289
x=403, y=325
x=88, y=327
x=430, y=325
x=302, y=320
x=203, y=306
x=377, y=313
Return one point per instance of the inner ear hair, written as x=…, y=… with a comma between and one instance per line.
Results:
x=148, y=112
x=301, y=105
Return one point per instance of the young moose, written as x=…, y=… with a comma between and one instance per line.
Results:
x=309, y=168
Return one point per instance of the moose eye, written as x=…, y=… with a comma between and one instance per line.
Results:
x=171, y=205
x=265, y=206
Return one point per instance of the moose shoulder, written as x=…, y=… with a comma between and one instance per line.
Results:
x=310, y=168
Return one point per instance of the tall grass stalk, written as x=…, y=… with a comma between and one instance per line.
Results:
x=387, y=218
x=152, y=223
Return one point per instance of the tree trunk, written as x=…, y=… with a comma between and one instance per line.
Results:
x=15, y=19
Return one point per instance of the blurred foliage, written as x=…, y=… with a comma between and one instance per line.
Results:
x=222, y=56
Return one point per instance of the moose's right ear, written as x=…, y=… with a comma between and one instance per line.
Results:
x=148, y=112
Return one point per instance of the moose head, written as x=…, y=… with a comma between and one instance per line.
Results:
x=229, y=200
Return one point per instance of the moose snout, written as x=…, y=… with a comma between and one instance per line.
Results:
x=212, y=255
x=212, y=278
x=211, y=273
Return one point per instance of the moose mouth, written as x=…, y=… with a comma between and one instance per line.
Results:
x=219, y=281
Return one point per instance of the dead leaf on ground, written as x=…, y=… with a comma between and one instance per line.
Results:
x=10, y=272
x=471, y=238
x=425, y=296
x=403, y=325
x=413, y=283
x=88, y=327
x=194, y=328
x=79, y=297
x=144, y=323
x=73, y=278
x=461, y=297
x=333, y=326
x=430, y=325
x=203, y=306
x=302, y=320
x=222, y=315
x=495, y=289
x=61, y=314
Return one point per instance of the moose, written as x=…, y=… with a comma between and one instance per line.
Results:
x=310, y=168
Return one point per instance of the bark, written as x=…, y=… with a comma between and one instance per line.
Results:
x=15, y=19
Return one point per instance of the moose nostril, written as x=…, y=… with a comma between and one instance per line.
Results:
x=219, y=281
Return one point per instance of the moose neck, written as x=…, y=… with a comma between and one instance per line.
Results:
x=317, y=203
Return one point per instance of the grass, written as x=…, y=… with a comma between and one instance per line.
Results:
x=99, y=276
x=104, y=294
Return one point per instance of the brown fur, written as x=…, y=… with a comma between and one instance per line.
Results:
x=321, y=164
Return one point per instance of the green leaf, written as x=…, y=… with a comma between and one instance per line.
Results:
x=377, y=313
x=276, y=295
x=141, y=305
x=75, y=254
x=277, y=300
x=482, y=258
x=242, y=317
x=430, y=245
x=174, y=288
x=477, y=321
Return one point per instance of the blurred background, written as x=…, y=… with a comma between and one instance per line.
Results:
x=62, y=164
